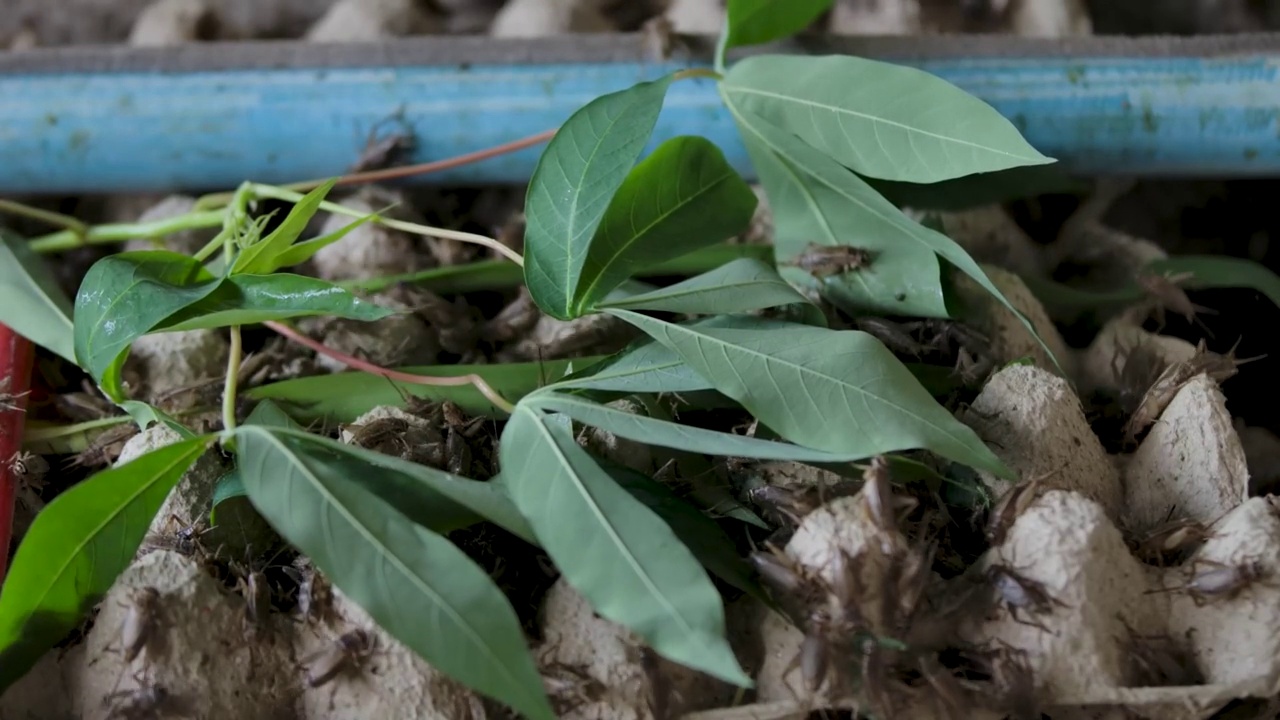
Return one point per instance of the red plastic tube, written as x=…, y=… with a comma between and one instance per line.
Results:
x=16, y=357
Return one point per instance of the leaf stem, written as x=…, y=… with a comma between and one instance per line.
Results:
x=722, y=46
x=403, y=171
x=277, y=193
x=120, y=232
x=229, y=389
x=354, y=362
x=690, y=73
x=47, y=216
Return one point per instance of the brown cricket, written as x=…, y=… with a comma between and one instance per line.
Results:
x=142, y=703
x=346, y=654
x=1161, y=392
x=1013, y=503
x=1014, y=684
x=1020, y=593
x=315, y=595
x=790, y=505
x=1220, y=581
x=826, y=260
x=139, y=622
x=894, y=336
x=8, y=400
x=1171, y=542
x=1167, y=291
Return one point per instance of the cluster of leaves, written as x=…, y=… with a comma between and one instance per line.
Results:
x=819, y=131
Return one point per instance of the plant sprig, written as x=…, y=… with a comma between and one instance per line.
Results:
x=600, y=213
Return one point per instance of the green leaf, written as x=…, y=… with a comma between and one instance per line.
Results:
x=882, y=120
x=611, y=548
x=647, y=367
x=1220, y=271
x=575, y=180
x=303, y=251
x=755, y=22
x=262, y=257
x=76, y=548
x=144, y=415
x=815, y=200
x=126, y=296
x=33, y=304
x=663, y=433
x=681, y=198
x=343, y=397
x=270, y=414
x=884, y=229
x=702, y=535
x=737, y=287
x=251, y=299
x=229, y=487
x=838, y=391
x=429, y=497
x=415, y=584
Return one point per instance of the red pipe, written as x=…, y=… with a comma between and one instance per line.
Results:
x=16, y=357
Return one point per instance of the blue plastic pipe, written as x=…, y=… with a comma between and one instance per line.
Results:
x=209, y=117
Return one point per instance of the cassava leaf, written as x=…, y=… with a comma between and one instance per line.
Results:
x=825, y=204
x=575, y=180
x=654, y=431
x=272, y=415
x=145, y=415
x=882, y=120
x=303, y=251
x=230, y=486
x=681, y=198
x=30, y=300
x=755, y=22
x=876, y=225
x=702, y=535
x=611, y=548
x=262, y=257
x=736, y=287
x=76, y=548
x=838, y=391
x=435, y=499
x=1220, y=271
x=343, y=397
x=126, y=296
x=415, y=584
x=645, y=367
x=251, y=299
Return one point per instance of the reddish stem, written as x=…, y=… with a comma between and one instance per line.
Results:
x=16, y=357
x=355, y=362
x=404, y=171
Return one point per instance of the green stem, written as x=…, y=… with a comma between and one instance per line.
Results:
x=121, y=232
x=722, y=46
x=212, y=246
x=270, y=191
x=229, y=389
x=46, y=216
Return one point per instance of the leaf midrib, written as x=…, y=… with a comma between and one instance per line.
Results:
x=608, y=526
x=573, y=214
x=642, y=232
x=875, y=119
x=805, y=370
x=97, y=529
x=413, y=578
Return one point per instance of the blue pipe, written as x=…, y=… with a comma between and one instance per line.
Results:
x=111, y=119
